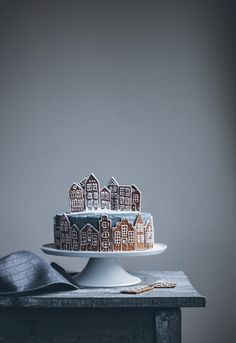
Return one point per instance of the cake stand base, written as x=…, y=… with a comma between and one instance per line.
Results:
x=103, y=268
x=105, y=272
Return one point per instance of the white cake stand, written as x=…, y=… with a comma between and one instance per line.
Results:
x=103, y=268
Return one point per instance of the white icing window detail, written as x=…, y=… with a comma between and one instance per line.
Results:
x=94, y=239
x=74, y=235
x=122, y=200
x=127, y=192
x=115, y=189
x=127, y=201
x=122, y=191
x=89, y=204
x=117, y=237
x=131, y=237
x=89, y=187
x=106, y=244
x=83, y=238
x=124, y=232
x=106, y=234
x=89, y=195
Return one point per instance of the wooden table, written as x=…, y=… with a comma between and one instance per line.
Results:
x=100, y=315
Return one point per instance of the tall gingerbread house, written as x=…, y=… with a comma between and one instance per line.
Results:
x=92, y=193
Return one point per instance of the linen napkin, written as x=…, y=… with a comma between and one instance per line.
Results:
x=23, y=273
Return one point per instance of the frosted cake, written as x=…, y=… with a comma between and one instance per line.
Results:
x=103, y=219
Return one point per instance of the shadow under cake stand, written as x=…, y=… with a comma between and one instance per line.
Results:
x=103, y=268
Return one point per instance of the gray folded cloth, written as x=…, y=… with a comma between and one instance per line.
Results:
x=23, y=273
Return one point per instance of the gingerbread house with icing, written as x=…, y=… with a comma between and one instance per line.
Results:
x=107, y=219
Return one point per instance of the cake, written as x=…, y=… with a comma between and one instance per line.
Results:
x=103, y=219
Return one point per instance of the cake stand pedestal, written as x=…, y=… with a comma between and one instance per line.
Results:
x=103, y=268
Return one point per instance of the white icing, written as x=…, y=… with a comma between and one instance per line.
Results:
x=103, y=211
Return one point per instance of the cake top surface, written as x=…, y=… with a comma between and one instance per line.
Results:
x=100, y=213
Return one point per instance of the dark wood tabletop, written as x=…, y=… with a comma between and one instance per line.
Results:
x=183, y=295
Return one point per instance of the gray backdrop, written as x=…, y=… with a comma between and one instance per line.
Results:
x=139, y=90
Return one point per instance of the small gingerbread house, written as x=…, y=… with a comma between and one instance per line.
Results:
x=117, y=237
x=124, y=236
x=140, y=233
x=105, y=231
x=64, y=226
x=113, y=187
x=125, y=198
x=105, y=199
x=74, y=237
x=149, y=234
x=89, y=238
x=135, y=199
x=82, y=183
x=92, y=193
x=76, y=195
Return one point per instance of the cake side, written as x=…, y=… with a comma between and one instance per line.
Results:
x=104, y=231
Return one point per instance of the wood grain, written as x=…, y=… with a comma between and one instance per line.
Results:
x=183, y=295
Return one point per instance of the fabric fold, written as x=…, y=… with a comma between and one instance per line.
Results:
x=23, y=272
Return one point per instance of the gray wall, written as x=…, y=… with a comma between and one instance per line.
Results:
x=139, y=90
